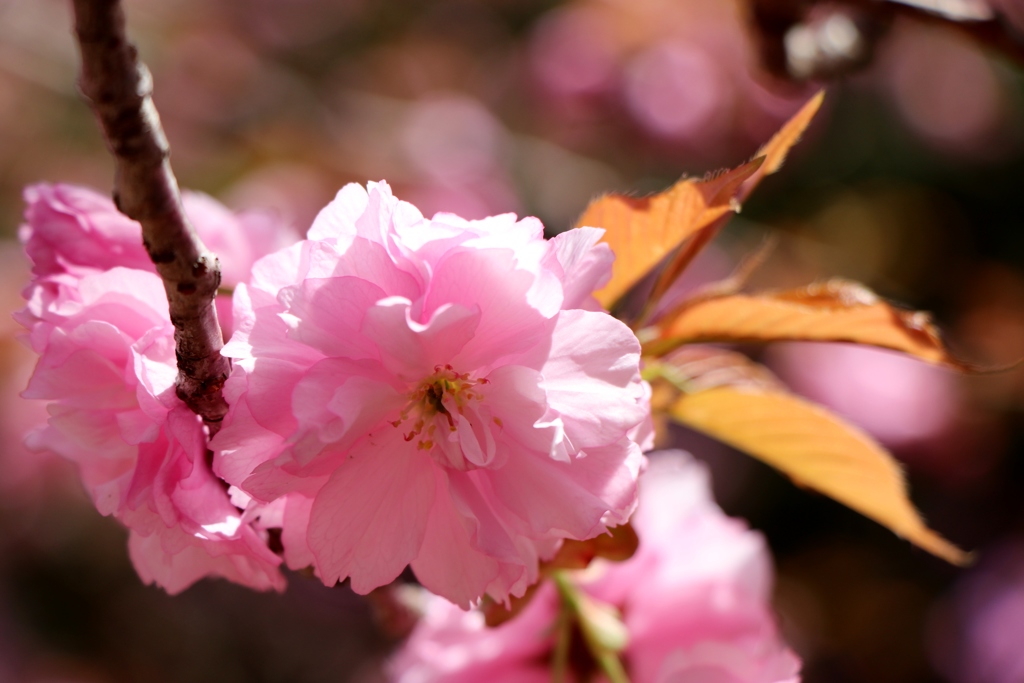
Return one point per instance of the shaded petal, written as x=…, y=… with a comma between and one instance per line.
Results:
x=175, y=560
x=294, y=532
x=370, y=261
x=281, y=477
x=492, y=534
x=242, y=444
x=80, y=373
x=369, y=520
x=74, y=229
x=514, y=396
x=410, y=349
x=573, y=497
x=327, y=314
x=338, y=402
x=448, y=564
x=488, y=281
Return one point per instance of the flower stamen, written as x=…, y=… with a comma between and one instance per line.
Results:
x=440, y=394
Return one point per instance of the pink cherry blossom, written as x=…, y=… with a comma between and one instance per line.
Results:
x=694, y=601
x=107, y=368
x=441, y=392
x=73, y=231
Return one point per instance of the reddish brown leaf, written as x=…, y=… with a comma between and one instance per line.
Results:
x=641, y=231
x=774, y=154
x=837, y=310
x=617, y=545
x=496, y=613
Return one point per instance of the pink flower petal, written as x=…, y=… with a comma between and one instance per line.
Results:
x=448, y=564
x=585, y=382
x=488, y=281
x=586, y=265
x=369, y=520
x=412, y=350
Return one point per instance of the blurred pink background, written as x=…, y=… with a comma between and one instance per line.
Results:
x=910, y=182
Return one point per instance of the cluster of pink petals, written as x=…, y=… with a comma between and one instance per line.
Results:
x=439, y=393
x=97, y=317
x=694, y=601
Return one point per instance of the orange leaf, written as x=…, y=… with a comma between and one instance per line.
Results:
x=775, y=151
x=837, y=310
x=774, y=154
x=818, y=450
x=642, y=231
x=698, y=368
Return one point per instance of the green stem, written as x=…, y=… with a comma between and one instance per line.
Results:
x=563, y=641
x=572, y=602
x=653, y=370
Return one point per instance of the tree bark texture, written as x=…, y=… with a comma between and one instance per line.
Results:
x=118, y=87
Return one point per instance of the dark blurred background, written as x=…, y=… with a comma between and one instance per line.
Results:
x=911, y=180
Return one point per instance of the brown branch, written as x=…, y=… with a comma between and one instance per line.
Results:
x=118, y=87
